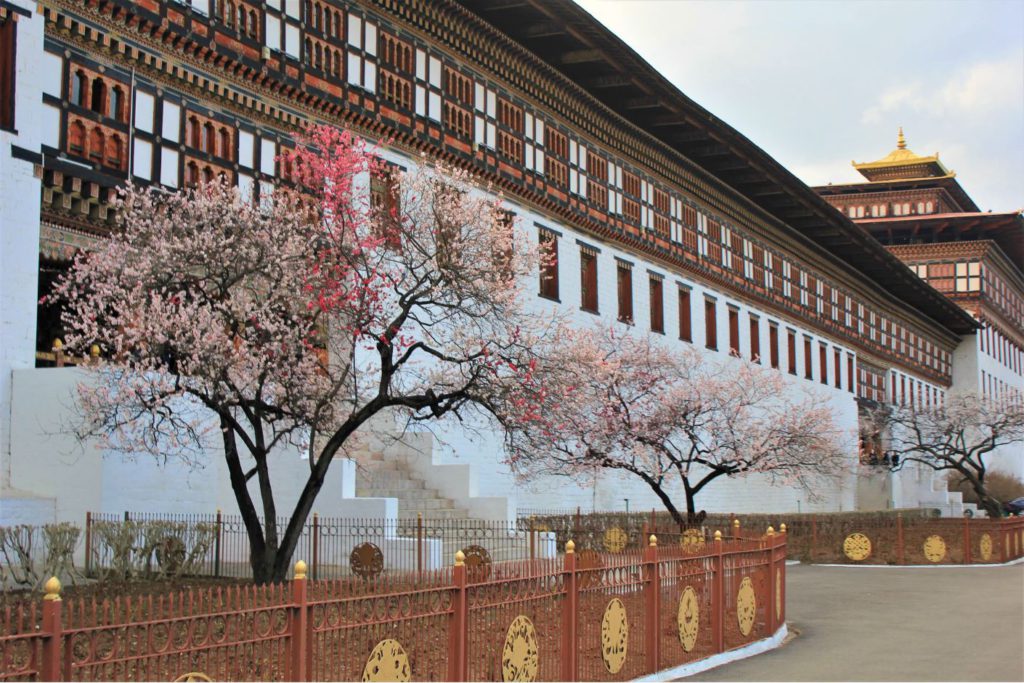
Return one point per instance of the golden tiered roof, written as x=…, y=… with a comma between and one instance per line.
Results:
x=903, y=164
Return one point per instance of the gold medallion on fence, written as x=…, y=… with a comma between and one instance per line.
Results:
x=519, y=657
x=778, y=594
x=934, y=548
x=615, y=540
x=985, y=546
x=614, y=636
x=387, y=662
x=688, y=619
x=366, y=561
x=692, y=540
x=192, y=677
x=746, y=606
x=478, y=563
x=857, y=547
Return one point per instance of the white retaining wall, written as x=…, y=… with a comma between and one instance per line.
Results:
x=19, y=223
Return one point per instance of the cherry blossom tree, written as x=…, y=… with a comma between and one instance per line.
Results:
x=297, y=320
x=956, y=437
x=675, y=417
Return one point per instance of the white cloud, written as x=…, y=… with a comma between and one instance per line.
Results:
x=980, y=89
x=895, y=99
x=984, y=87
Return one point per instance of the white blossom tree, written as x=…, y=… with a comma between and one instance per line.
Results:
x=297, y=321
x=957, y=437
x=674, y=417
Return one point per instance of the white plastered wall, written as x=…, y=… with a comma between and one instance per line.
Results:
x=19, y=225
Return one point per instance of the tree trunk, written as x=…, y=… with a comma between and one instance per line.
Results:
x=691, y=502
x=261, y=568
x=677, y=516
x=992, y=507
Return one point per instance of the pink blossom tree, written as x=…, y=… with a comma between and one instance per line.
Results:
x=958, y=437
x=673, y=417
x=298, y=320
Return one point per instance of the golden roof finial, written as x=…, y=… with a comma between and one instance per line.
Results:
x=901, y=142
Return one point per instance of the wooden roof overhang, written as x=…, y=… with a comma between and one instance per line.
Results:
x=948, y=183
x=1005, y=229
x=571, y=41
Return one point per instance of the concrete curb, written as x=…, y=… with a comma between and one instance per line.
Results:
x=1019, y=560
x=714, y=661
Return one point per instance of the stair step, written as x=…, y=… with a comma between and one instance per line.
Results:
x=404, y=494
x=441, y=515
x=391, y=484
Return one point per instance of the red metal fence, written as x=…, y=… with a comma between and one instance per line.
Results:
x=897, y=538
x=582, y=616
x=907, y=540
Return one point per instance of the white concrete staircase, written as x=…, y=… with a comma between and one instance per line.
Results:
x=406, y=470
x=384, y=476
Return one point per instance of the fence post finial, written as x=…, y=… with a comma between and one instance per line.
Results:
x=653, y=541
x=460, y=558
x=771, y=530
x=570, y=547
x=736, y=522
x=300, y=570
x=718, y=535
x=52, y=588
x=782, y=528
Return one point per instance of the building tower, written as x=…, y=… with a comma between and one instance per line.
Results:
x=917, y=208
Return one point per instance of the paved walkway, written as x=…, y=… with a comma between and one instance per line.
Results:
x=896, y=624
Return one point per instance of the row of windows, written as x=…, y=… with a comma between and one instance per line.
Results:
x=238, y=15
x=908, y=391
x=999, y=391
x=883, y=210
x=1004, y=296
x=951, y=277
x=871, y=384
x=206, y=136
x=97, y=95
x=1004, y=350
x=97, y=143
x=837, y=362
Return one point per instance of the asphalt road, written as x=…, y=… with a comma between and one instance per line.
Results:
x=895, y=624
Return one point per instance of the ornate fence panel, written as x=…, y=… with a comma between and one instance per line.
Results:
x=237, y=633
x=381, y=628
x=690, y=613
x=21, y=643
x=745, y=577
x=517, y=624
x=612, y=631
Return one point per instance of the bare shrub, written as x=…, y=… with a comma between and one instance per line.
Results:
x=126, y=550
x=32, y=554
x=1003, y=487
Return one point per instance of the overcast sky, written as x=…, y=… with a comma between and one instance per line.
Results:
x=817, y=84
